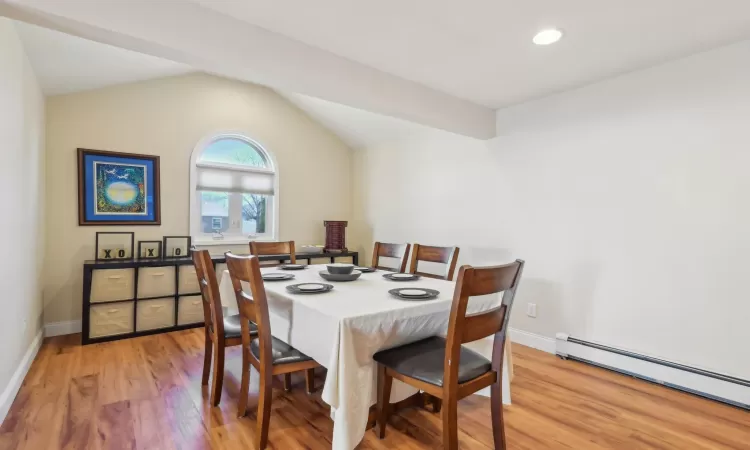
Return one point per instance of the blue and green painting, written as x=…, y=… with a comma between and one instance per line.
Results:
x=120, y=188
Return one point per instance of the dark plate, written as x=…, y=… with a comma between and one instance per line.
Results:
x=430, y=294
x=279, y=277
x=294, y=288
x=390, y=276
x=365, y=269
x=340, y=277
x=292, y=267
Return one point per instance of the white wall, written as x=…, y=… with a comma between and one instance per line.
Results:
x=629, y=200
x=22, y=219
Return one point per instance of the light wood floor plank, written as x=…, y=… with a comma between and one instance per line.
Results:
x=115, y=427
x=145, y=394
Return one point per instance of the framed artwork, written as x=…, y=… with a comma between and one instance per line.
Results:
x=118, y=188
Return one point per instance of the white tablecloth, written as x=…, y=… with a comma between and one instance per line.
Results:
x=343, y=328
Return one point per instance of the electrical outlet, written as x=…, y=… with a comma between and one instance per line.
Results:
x=531, y=309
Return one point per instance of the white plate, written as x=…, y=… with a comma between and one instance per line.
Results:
x=293, y=265
x=275, y=275
x=413, y=292
x=311, y=287
x=402, y=275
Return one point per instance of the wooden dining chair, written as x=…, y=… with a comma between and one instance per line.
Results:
x=269, y=356
x=443, y=255
x=274, y=248
x=399, y=251
x=445, y=369
x=221, y=332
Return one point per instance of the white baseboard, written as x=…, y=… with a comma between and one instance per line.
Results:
x=537, y=341
x=695, y=380
x=10, y=391
x=62, y=328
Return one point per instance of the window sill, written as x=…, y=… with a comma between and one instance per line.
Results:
x=204, y=242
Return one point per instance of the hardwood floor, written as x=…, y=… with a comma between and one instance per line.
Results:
x=145, y=393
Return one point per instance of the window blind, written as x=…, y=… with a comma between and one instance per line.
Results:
x=236, y=180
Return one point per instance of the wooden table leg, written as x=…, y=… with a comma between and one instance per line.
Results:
x=509, y=359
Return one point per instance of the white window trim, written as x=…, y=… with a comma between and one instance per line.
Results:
x=198, y=237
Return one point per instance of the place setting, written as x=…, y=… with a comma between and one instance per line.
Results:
x=401, y=276
x=414, y=294
x=309, y=288
x=293, y=266
x=340, y=272
x=277, y=276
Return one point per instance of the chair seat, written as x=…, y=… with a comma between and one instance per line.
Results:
x=232, y=327
x=281, y=352
x=424, y=360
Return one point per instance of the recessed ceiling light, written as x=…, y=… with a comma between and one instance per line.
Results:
x=546, y=37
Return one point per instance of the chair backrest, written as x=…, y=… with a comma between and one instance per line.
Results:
x=212, y=313
x=274, y=248
x=399, y=251
x=253, y=307
x=473, y=281
x=444, y=255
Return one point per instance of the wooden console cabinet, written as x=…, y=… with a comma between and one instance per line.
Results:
x=128, y=298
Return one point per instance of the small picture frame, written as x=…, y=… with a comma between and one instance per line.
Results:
x=176, y=246
x=149, y=249
x=114, y=245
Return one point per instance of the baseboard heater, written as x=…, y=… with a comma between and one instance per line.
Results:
x=711, y=385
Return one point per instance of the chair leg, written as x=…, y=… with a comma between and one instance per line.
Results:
x=450, y=426
x=437, y=404
x=384, y=400
x=498, y=424
x=207, y=351
x=287, y=382
x=218, y=380
x=244, y=385
x=310, y=380
x=264, y=411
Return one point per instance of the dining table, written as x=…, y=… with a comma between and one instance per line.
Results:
x=342, y=328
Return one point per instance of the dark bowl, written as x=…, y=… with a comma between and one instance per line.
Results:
x=336, y=277
x=340, y=268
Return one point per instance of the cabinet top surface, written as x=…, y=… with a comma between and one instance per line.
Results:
x=148, y=262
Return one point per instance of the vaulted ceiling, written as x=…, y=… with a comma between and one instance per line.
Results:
x=356, y=127
x=65, y=63
x=439, y=63
x=481, y=50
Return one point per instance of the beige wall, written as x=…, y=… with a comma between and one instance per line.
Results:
x=167, y=117
x=22, y=220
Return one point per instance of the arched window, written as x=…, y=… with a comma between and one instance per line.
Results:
x=234, y=191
